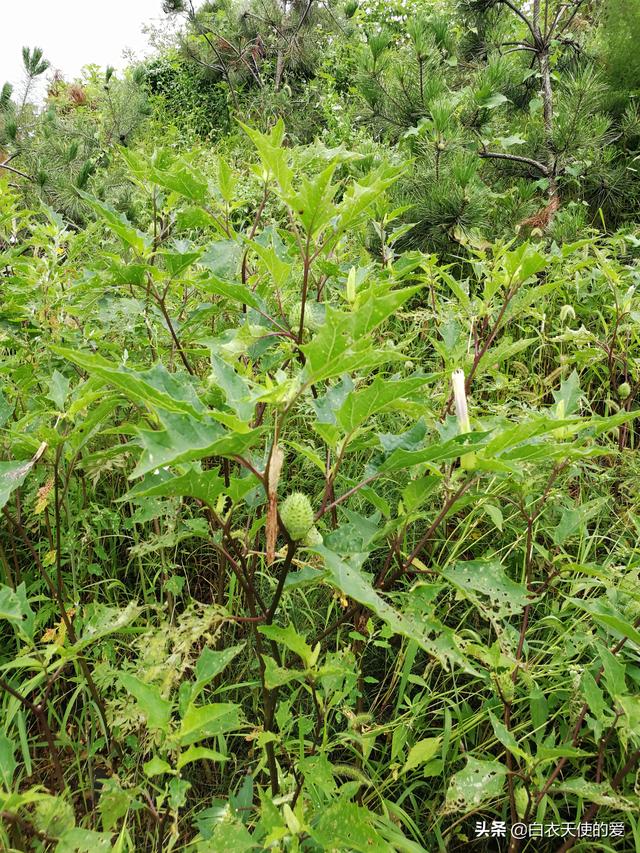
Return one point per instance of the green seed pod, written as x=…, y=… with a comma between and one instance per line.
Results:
x=297, y=515
x=313, y=537
x=313, y=316
x=624, y=390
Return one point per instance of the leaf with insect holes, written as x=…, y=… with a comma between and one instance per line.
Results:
x=347, y=826
x=486, y=585
x=477, y=782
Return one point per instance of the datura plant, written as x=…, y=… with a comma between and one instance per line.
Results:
x=332, y=577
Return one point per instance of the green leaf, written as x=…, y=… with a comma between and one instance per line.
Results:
x=444, y=451
x=276, y=676
x=278, y=269
x=211, y=663
x=430, y=635
x=157, y=711
x=290, y=638
x=58, y=389
x=422, y=752
x=553, y=753
x=222, y=258
x=235, y=387
x=274, y=157
x=362, y=403
x=188, y=439
x=597, y=792
x=119, y=224
x=506, y=738
x=155, y=387
x=178, y=262
x=12, y=476
x=478, y=782
x=199, y=753
x=569, y=396
x=485, y=583
x=179, y=179
x=156, y=767
x=346, y=826
x=492, y=101
x=234, y=291
x=210, y=720
x=10, y=607
x=80, y=840
x=194, y=483
x=523, y=263
x=602, y=612
x=231, y=838
x=594, y=697
x=8, y=763
x=104, y=620
x=6, y=410
x=495, y=514
x=509, y=141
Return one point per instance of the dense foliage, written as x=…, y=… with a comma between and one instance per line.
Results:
x=318, y=395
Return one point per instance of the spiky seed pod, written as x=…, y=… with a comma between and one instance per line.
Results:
x=313, y=316
x=624, y=390
x=297, y=515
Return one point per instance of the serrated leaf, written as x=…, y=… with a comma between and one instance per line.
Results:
x=431, y=636
x=362, y=403
x=58, y=389
x=211, y=663
x=290, y=638
x=485, y=583
x=188, y=439
x=194, y=483
x=199, y=753
x=154, y=387
x=119, y=224
x=157, y=711
x=156, y=767
x=210, y=720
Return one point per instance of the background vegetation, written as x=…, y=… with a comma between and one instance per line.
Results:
x=320, y=369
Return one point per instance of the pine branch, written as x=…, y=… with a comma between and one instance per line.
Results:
x=514, y=158
x=5, y=165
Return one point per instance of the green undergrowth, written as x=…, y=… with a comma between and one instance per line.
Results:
x=442, y=625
